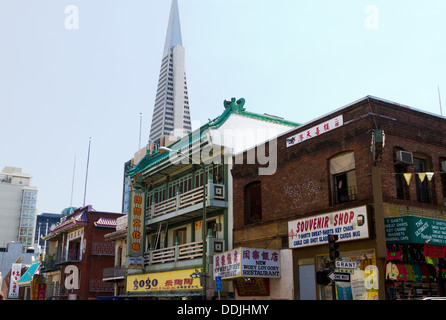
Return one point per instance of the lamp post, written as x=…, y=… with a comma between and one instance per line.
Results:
x=203, y=228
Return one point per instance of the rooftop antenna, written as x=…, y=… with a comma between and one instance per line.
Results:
x=140, y=126
x=439, y=99
x=86, y=175
x=72, y=183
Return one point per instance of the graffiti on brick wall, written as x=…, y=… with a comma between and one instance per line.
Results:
x=301, y=193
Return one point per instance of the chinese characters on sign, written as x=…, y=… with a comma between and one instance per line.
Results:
x=163, y=281
x=15, y=276
x=227, y=264
x=315, y=131
x=243, y=262
x=136, y=230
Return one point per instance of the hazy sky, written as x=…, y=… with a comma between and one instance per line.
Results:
x=70, y=70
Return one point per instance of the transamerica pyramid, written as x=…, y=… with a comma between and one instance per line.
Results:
x=171, y=114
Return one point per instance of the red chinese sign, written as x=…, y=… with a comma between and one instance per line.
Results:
x=434, y=251
x=315, y=131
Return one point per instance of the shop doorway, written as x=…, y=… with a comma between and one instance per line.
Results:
x=307, y=282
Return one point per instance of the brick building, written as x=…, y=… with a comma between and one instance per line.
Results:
x=79, y=254
x=372, y=172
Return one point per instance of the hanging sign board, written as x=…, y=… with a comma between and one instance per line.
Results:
x=413, y=229
x=348, y=224
x=136, y=230
x=16, y=273
x=245, y=262
x=315, y=131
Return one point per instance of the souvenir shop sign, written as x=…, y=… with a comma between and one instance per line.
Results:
x=412, y=229
x=348, y=224
x=315, y=131
x=244, y=262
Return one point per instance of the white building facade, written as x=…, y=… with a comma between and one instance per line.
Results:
x=17, y=207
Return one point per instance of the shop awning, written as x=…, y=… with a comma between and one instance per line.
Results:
x=27, y=277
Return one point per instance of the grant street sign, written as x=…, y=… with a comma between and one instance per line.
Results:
x=346, y=264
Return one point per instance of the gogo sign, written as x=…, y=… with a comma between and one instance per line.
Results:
x=348, y=224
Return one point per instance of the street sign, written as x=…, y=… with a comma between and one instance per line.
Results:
x=340, y=277
x=218, y=285
x=346, y=264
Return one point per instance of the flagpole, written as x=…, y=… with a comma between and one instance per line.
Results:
x=86, y=175
x=72, y=183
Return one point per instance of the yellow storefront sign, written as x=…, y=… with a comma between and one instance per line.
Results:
x=163, y=281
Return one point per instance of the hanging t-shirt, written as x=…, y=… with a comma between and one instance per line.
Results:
x=394, y=252
x=392, y=271
x=425, y=273
x=344, y=293
x=402, y=273
x=418, y=275
x=410, y=272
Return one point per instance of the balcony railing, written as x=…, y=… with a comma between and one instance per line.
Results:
x=97, y=285
x=186, y=251
x=114, y=273
x=345, y=195
x=68, y=256
x=55, y=290
x=50, y=264
x=103, y=248
x=185, y=200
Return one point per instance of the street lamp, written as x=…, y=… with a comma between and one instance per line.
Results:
x=203, y=228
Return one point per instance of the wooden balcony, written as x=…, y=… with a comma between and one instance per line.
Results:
x=187, y=205
x=188, y=251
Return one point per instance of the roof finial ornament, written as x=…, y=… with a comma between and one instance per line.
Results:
x=235, y=105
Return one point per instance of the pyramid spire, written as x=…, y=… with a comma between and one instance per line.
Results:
x=171, y=113
x=173, y=36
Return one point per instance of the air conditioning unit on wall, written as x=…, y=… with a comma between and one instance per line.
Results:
x=404, y=157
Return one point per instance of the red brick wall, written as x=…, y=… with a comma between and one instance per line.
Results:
x=301, y=183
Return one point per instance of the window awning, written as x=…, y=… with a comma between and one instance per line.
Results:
x=342, y=163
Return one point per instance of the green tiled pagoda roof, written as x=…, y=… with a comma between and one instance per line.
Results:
x=233, y=106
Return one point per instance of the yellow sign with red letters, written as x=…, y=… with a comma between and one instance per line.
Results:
x=163, y=281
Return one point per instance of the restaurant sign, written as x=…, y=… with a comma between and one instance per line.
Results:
x=413, y=229
x=163, y=281
x=348, y=224
x=244, y=262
